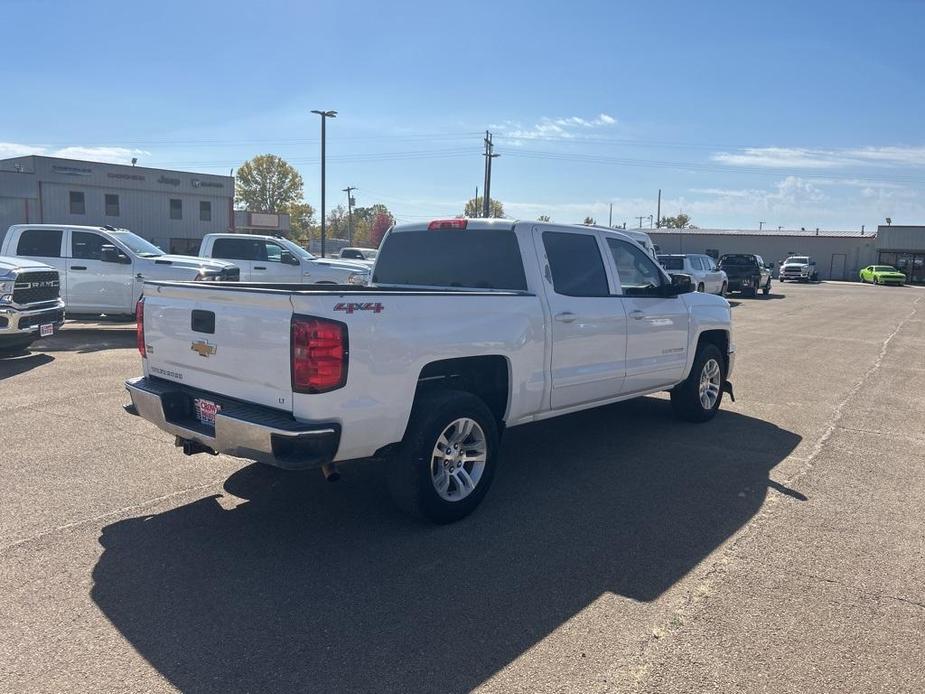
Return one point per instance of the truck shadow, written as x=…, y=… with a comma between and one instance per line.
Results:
x=311, y=586
x=84, y=341
x=19, y=363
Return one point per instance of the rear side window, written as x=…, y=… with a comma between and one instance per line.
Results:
x=671, y=262
x=40, y=243
x=237, y=249
x=87, y=246
x=576, y=264
x=469, y=258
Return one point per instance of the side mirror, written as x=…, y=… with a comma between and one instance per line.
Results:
x=111, y=254
x=680, y=284
x=288, y=258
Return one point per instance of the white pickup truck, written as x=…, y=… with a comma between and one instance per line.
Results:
x=102, y=269
x=273, y=259
x=470, y=327
x=30, y=304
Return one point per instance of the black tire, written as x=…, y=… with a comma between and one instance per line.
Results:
x=685, y=397
x=749, y=292
x=409, y=473
x=724, y=290
x=766, y=289
x=876, y=281
x=700, y=287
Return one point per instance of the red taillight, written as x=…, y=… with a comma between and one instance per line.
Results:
x=140, y=327
x=319, y=354
x=447, y=224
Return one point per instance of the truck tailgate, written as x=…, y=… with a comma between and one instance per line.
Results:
x=233, y=342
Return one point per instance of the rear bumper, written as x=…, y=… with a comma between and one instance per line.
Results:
x=241, y=429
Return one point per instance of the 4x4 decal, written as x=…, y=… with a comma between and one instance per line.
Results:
x=351, y=307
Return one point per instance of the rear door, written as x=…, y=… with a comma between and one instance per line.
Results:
x=588, y=361
x=242, y=251
x=231, y=342
x=657, y=332
x=94, y=285
x=46, y=246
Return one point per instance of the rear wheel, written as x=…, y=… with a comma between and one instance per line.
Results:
x=447, y=459
x=698, y=397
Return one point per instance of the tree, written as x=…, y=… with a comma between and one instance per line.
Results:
x=301, y=221
x=267, y=183
x=382, y=220
x=474, y=208
x=543, y=218
x=679, y=222
x=337, y=223
x=590, y=221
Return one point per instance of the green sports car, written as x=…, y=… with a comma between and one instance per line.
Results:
x=882, y=274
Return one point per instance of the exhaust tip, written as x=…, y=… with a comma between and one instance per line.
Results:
x=330, y=472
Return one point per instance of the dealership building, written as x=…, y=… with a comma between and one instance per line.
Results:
x=839, y=255
x=172, y=209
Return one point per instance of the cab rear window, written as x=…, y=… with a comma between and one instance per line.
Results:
x=466, y=258
x=737, y=260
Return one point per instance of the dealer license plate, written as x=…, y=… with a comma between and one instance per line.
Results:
x=206, y=410
x=46, y=330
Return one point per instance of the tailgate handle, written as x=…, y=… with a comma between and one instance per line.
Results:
x=259, y=267
x=202, y=321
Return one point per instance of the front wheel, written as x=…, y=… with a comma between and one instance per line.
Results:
x=447, y=459
x=700, y=287
x=766, y=289
x=876, y=281
x=724, y=289
x=698, y=397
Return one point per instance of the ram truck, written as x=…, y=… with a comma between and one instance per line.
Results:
x=470, y=327
x=30, y=303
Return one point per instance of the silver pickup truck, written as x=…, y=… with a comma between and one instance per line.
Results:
x=30, y=303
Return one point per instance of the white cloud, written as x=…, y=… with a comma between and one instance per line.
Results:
x=565, y=128
x=111, y=155
x=810, y=158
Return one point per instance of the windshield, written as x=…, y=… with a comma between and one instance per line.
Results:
x=798, y=260
x=737, y=260
x=136, y=244
x=885, y=268
x=671, y=262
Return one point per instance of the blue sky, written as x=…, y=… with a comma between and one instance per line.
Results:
x=791, y=113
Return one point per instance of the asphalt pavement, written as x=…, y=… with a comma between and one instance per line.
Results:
x=778, y=548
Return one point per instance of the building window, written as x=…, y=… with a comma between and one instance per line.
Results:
x=205, y=211
x=112, y=205
x=176, y=208
x=77, y=202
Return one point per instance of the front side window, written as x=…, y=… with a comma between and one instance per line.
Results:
x=176, y=208
x=112, y=205
x=77, y=204
x=205, y=211
x=274, y=252
x=40, y=243
x=576, y=264
x=86, y=245
x=639, y=276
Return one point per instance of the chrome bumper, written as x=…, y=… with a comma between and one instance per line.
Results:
x=241, y=430
x=21, y=322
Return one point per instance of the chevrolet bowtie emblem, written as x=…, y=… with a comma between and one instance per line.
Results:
x=203, y=348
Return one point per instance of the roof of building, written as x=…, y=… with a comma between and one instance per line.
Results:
x=841, y=233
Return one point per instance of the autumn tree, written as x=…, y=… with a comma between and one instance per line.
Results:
x=543, y=218
x=474, y=208
x=382, y=220
x=302, y=223
x=267, y=183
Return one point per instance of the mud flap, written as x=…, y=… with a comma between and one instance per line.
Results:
x=727, y=388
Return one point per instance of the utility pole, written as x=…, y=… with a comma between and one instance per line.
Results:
x=324, y=117
x=489, y=155
x=650, y=221
x=658, y=210
x=610, y=217
x=640, y=218
x=760, y=226
x=349, y=190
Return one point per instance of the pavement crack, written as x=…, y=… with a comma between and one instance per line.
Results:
x=854, y=589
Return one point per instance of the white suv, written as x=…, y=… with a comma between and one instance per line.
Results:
x=704, y=274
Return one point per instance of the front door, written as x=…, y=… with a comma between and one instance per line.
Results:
x=658, y=325
x=94, y=285
x=273, y=269
x=588, y=361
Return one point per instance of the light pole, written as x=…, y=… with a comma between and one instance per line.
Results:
x=324, y=117
x=760, y=226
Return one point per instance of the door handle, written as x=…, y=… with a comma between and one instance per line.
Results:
x=637, y=314
x=139, y=276
x=565, y=317
x=78, y=267
x=259, y=267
